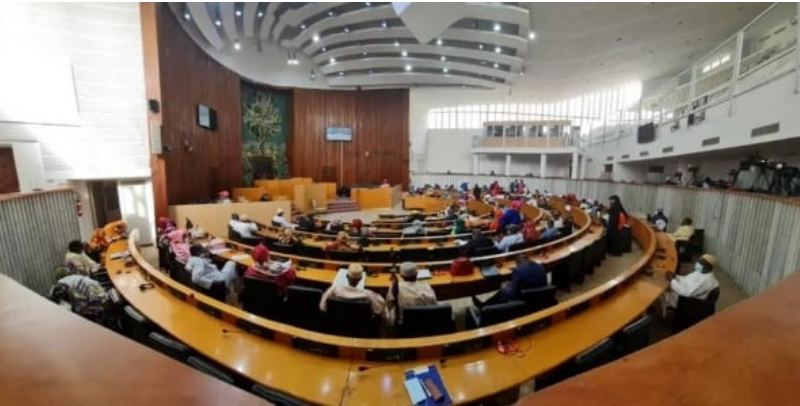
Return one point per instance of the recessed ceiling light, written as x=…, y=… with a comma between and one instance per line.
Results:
x=396, y=43
x=480, y=46
x=408, y=68
x=443, y=58
x=260, y=14
x=302, y=26
x=445, y=70
x=384, y=24
x=187, y=16
x=238, y=13
x=330, y=13
x=346, y=29
x=236, y=45
x=332, y=61
x=368, y=4
x=497, y=50
x=341, y=73
x=496, y=27
x=439, y=41
x=371, y=71
x=365, y=53
x=496, y=65
x=217, y=23
x=531, y=35
x=315, y=38
x=404, y=53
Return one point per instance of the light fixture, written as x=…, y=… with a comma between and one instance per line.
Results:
x=396, y=43
x=346, y=29
x=236, y=45
x=341, y=73
x=531, y=35
x=445, y=70
x=217, y=22
x=404, y=53
x=368, y=4
x=496, y=27
x=238, y=13
x=497, y=50
x=302, y=26
x=187, y=16
x=443, y=58
x=408, y=68
x=365, y=53
x=371, y=71
x=480, y=46
x=384, y=24
x=332, y=61
x=260, y=14
x=324, y=49
x=313, y=74
x=483, y=62
x=315, y=38
x=439, y=41
x=330, y=13
x=496, y=65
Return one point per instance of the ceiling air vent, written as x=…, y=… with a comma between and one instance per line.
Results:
x=644, y=153
x=609, y=158
x=667, y=150
x=710, y=141
x=626, y=156
x=764, y=130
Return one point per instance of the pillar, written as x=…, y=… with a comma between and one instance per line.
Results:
x=575, y=158
x=475, y=164
x=584, y=161
x=542, y=165
x=508, y=164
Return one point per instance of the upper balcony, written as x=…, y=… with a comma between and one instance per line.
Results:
x=532, y=137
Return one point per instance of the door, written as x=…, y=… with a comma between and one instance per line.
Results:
x=9, y=183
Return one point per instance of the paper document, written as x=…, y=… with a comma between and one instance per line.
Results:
x=424, y=274
x=220, y=251
x=120, y=255
x=415, y=391
x=341, y=279
x=240, y=257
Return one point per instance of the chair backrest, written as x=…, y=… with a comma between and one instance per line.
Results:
x=168, y=346
x=135, y=325
x=499, y=313
x=684, y=249
x=691, y=311
x=349, y=256
x=539, y=298
x=634, y=336
x=233, y=234
x=179, y=273
x=575, y=266
x=712, y=297
x=275, y=397
x=414, y=254
x=208, y=368
x=302, y=303
x=600, y=354
x=697, y=239
x=261, y=297
x=350, y=318
x=419, y=321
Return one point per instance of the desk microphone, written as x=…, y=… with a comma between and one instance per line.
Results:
x=226, y=331
x=362, y=368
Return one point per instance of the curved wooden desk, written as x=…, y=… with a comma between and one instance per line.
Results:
x=470, y=366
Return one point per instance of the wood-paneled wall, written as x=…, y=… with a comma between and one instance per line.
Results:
x=379, y=119
x=201, y=162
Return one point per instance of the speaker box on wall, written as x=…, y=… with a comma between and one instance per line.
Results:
x=153, y=105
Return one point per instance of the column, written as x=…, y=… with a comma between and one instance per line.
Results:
x=575, y=158
x=583, y=167
x=508, y=164
x=475, y=164
x=543, y=165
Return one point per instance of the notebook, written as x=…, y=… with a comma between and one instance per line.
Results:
x=489, y=271
x=419, y=375
x=341, y=279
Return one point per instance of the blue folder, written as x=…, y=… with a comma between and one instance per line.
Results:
x=433, y=373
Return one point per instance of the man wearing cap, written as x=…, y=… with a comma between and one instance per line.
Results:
x=698, y=284
x=279, y=221
x=407, y=292
x=526, y=275
x=245, y=227
x=282, y=273
x=351, y=291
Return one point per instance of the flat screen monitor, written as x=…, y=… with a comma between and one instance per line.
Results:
x=206, y=117
x=647, y=133
x=339, y=134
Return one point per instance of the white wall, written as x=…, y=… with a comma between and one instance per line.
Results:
x=137, y=208
x=451, y=150
x=72, y=79
x=28, y=162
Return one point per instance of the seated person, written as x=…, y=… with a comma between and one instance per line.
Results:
x=526, y=275
x=558, y=222
x=279, y=221
x=342, y=243
x=479, y=240
x=179, y=245
x=511, y=216
x=497, y=213
x=698, y=284
x=78, y=260
x=265, y=197
x=685, y=231
x=97, y=244
x=85, y=295
x=351, y=291
x=282, y=273
x=334, y=226
x=246, y=229
x=223, y=197
x=407, y=292
x=356, y=227
x=164, y=226
x=205, y=273
x=287, y=237
x=306, y=223
x=417, y=227
x=114, y=231
x=386, y=184
x=460, y=227
x=660, y=221
x=530, y=232
x=551, y=231
x=513, y=236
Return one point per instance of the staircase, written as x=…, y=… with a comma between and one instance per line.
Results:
x=342, y=204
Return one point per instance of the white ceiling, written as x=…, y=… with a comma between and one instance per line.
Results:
x=579, y=47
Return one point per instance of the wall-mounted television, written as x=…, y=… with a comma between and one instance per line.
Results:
x=646, y=133
x=339, y=134
x=206, y=117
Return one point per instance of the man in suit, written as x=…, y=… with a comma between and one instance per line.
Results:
x=479, y=240
x=526, y=275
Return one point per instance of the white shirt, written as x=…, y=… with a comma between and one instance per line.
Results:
x=661, y=225
x=203, y=271
x=696, y=284
x=82, y=263
x=411, y=294
x=281, y=221
x=558, y=223
x=246, y=230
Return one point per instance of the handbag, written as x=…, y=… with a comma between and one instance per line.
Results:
x=461, y=266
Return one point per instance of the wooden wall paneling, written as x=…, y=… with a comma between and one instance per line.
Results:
x=201, y=162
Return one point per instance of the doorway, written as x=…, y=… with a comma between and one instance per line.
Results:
x=9, y=182
x=105, y=200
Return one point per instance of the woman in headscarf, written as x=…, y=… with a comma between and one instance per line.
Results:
x=460, y=226
x=417, y=227
x=179, y=246
x=282, y=273
x=530, y=232
x=342, y=243
x=617, y=221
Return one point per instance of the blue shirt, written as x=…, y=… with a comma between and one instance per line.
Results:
x=549, y=233
x=509, y=217
x=531, y=275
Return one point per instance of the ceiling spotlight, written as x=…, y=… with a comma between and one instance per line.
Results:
x=396, y=43
x=408, y=68
x=531, y=35
x=332, y=61
x=313, y=74
x=439, y=41
x=187, y=16
x=260, y=14
x=346, y=29
x=341, y=73
x=365, y=53
x=236, y=45
x=238, y=13
x=368, y=4
x=330, y=13
x=496, y=27
x=217, y=23
x=480, y=46
x=324, y=49
x=443, y=58
x=445, y=70
x=384, y=24
x=496, y=65
x=302, y=26
x=404, y=53
x=315, y=38
x=497, y=50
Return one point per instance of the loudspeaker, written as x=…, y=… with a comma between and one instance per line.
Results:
x=153, y=105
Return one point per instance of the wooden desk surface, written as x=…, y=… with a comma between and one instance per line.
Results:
x=745, y=355
x=51, y=356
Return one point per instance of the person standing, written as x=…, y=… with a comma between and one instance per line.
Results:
x=617, y=222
